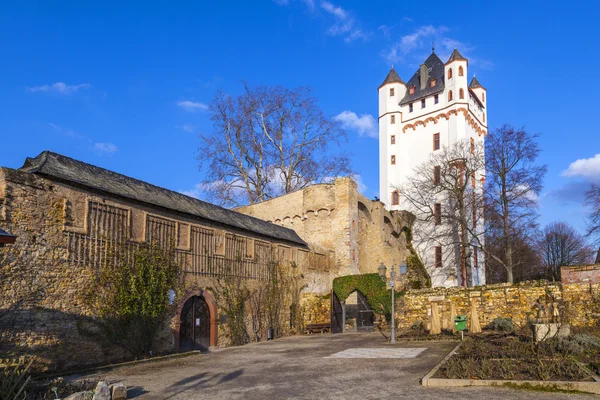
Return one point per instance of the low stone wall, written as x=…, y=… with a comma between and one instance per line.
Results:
x=500, y=300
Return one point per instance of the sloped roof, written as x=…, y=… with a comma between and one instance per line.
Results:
x=392, y=77
x=455, y=56
x=436, y=71
x=6, y=237
x=70, y=170
x=475, y=84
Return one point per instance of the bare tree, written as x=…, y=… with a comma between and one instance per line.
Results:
x=513, y=182
x=559, y=245
x=527, y=263
x=447, y=200
x=592, y=200
x=266, y=142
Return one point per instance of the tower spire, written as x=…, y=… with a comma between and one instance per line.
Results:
x=433, y=46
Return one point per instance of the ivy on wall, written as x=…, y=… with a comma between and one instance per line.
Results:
x=416, y=274
x=371, y=286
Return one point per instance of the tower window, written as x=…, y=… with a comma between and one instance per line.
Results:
x=461, y=94
x=411, y=90
x=433, y=83
x=393, y=160
x=483, y=117
x=472, y=147
x=410, y=107
x=436, y=141
x=450, y=95
x=395, y=198
x=450, y=73
x=437, y=178
x=483, y=97
x=391, y=92
x=475, y=263
x=436, y=99
x=437, y=213
x=392, y=119
x=461, y=72
x=473, y=179
x=438, y=256
x=393, y=139
x=422, y=103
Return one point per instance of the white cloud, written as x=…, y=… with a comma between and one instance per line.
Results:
x=364, y=124
x=60, y=88
x=414, y=41
x=105, y=148
x=588, y=168
x=192, y=106
x=186, y=128
x=345, y=25
x=66, y=132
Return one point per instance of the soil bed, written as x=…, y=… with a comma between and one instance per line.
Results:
x=516, y=357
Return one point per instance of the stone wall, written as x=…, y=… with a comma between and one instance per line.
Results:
x=337, y=218
x=580, y=274
x=499, y=300
x=63, y=235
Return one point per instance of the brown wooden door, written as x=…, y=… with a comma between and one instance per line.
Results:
x=194, y=332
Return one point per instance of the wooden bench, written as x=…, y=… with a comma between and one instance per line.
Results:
x=322, y=328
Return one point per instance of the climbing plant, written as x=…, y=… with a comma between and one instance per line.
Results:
x=130, y=296
x=371, y=286
x=416, y=274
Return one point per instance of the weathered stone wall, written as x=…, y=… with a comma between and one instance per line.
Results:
x=61, y=242
x=499, y=300
x=580, y=274
x=337, y=218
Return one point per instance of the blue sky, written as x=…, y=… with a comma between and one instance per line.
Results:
x=125, y=87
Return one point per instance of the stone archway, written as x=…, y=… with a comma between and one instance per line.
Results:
x=202, y=296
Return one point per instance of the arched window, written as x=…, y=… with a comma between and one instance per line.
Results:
x=450, y=73
x=461, y=71
x=395, y=198
x=461, y=94
x=450, y=95
x=433, y=83
x=411, y=90
x=483, y=97
x=483, y=117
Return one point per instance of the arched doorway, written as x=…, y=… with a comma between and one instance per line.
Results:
x=194, y=320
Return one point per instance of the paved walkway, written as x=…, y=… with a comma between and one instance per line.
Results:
x=308, y=367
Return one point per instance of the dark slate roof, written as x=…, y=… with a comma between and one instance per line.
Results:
x=436, y=71
x=455, y=56
x=475, y=84
x=392, y=77
x=6, y=237
x=67, y=169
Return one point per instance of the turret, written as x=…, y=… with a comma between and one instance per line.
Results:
x=481, y=94
x=456, y=77
x=391, y=91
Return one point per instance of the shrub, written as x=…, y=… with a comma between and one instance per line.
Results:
x=587, y=341
x=502, y=324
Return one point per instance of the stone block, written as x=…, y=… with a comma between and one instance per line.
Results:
x=119, y=392
x=76, y=396
x=102, y=391
x=542, y=332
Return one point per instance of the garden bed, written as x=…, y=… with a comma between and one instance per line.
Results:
x=514, y=360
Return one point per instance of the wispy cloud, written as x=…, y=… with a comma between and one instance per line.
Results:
x=60, y=88
x=345, y=25
x=102, y=148
x=364, y=124
x=588, y=168
x=105, y=148
x=411, y=42
x=192, y=106
x=186, y=128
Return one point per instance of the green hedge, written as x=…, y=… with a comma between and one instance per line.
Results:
x=371, y=286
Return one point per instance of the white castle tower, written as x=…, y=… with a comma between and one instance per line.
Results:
x=435, y=108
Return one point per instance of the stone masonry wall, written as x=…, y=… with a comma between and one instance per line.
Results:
x=499, y=300
x=44, y=276
x=337, y=218
x=580, y=274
